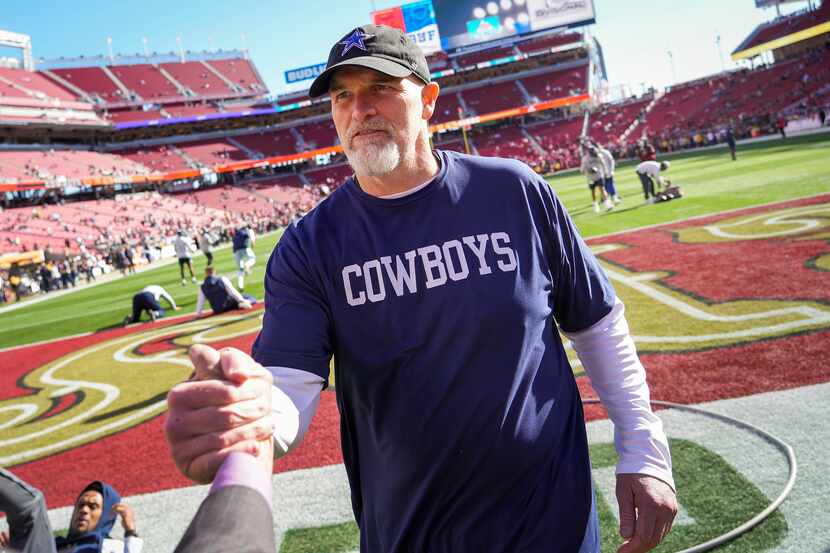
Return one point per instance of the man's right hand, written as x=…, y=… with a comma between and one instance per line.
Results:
x=225, y=406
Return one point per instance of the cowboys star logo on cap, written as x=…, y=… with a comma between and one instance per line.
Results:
x=378, y=47
x=355, y=40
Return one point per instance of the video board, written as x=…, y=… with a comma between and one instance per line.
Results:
x=416, y=19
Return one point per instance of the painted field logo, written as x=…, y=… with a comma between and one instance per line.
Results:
x=106, y=387
x=726, y=283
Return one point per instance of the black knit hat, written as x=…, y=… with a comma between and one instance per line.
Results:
x=377, y=47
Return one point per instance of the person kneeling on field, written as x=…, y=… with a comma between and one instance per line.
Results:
x=221, y=294
x=97, y=508
x=649, y=174
x=148, y=300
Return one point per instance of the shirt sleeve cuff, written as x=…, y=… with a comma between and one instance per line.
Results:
x=242, y=469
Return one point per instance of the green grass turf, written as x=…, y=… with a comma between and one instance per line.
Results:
x=338, y=538
x=104, y=306
x=697, y=473
x=765, y=172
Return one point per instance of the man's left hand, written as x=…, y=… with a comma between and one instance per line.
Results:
x=127, y=517
x=647, y=509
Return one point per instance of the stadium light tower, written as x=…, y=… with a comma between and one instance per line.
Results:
x=671, y=62
x=181, y=49
x=146, y=50
x=109, y=49
x=720, y=52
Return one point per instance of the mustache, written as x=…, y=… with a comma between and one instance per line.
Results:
x=369, y=127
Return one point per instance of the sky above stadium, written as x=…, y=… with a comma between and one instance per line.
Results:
x=636, y=35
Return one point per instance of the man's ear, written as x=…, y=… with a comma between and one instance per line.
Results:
x=429, y=96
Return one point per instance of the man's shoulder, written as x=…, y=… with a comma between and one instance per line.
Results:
x=498, y=165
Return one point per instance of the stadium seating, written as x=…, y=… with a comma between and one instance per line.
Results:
x=145, y=80
x=240, y=72
x=787, y=25
x=275, y=143
x=72, y=164
x=493, y=97
x=548, y=42
x=330, y=175
x=505, y=141
x=159, y=159
x=99, y=223
x=31, y=84
x=193, y=110
x=560, y=139
x=446, y=109
x=557, y=84
x=611, y=120
x=213, y=152
x=198, y=78
x=489, y=54
x=676, y=107
x=438, y=61
x=124, y=116
x=318, y=135
x=93, y=81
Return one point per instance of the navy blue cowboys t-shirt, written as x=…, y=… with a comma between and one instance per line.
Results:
x=462, y=428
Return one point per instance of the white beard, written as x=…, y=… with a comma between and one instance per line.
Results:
x=375, y=160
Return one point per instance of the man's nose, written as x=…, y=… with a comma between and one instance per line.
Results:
x=364, y=107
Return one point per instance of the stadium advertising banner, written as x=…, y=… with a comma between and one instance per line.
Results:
x=304, y=73
x=772, y=3
x=417, y=20
x=469, y=22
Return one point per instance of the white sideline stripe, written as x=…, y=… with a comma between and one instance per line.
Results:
x=778, y=218
x=810, y=315
x=703, y=216
x=320, y=496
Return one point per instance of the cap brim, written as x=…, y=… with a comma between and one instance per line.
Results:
x=320, y=86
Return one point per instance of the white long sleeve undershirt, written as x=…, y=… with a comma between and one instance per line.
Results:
x=294, y=400
x=608, y=354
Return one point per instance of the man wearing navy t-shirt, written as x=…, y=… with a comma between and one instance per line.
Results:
x=437, y=281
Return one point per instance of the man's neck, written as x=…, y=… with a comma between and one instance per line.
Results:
x=405, y=177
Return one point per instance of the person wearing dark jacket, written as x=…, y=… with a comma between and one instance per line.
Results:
x=97, y=508
x=220, y=294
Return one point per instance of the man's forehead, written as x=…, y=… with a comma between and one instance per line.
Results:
x=351, y=74
x=91, y=496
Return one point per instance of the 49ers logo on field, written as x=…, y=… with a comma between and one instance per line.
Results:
x=106, y=387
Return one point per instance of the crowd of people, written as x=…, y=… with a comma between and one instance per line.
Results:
x=126, y=242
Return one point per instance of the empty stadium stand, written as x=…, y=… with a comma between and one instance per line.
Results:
x=198, y=78
x=785, y=26
x=489, y=98
x=318, y=135
x=266, y=143
x=94, y=82
x=71, y=164
x=159, y=159
x=22, y=83
x=557, y=84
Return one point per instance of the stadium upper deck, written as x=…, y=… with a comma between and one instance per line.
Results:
x=785, y=31
x=523, y=100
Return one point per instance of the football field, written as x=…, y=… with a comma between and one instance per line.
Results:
x=728, y=298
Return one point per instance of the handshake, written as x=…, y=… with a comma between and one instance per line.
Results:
x=224, y=406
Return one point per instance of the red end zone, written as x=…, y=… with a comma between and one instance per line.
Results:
x=137, y=460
